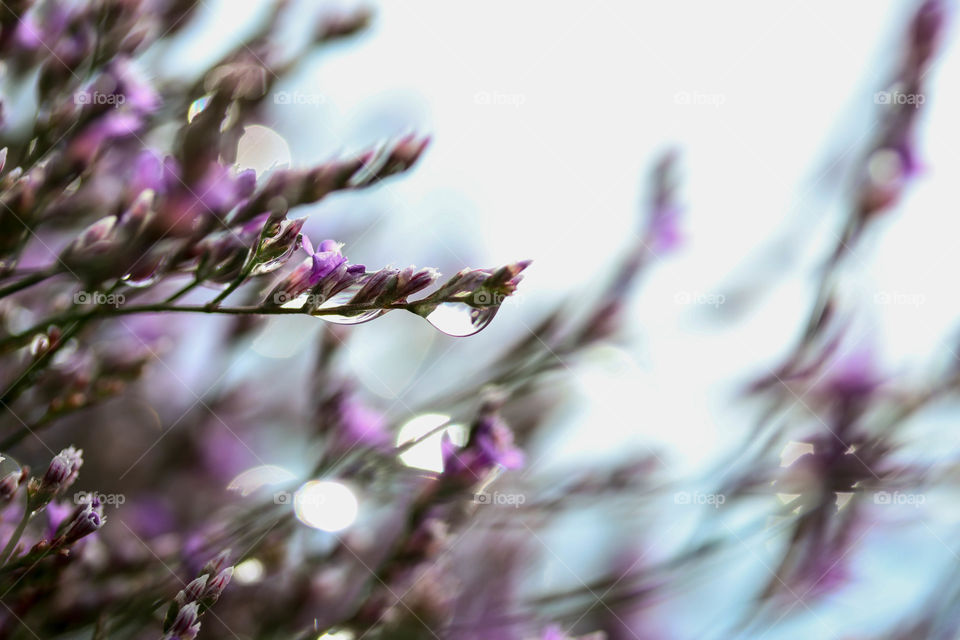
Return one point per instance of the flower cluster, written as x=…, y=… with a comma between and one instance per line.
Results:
x=364, y=505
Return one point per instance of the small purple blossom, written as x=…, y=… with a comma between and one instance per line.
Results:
x=489, y=445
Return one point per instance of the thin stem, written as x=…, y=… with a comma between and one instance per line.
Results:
x=244, y=271
x=29, y=375
x=190, y=286
x=233, y=286
x=165, y=307
x=16, y=438
x=27, y=281
x=15, y=538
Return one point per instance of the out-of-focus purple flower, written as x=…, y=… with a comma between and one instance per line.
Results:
x=925, y=31
x=93, y=242
x=57, y=514
x=28, y=34
x=347, y=424
x=138, y=94
x=490, y=445
x=662, y=233
x=110, y=126
x=555, y=632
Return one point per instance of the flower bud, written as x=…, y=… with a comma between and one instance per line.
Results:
x=61, y=473
x=186, y=625
x=217, y=564
x=85, y=521
x=216, y=586
x=193, y=591
x=9, y=485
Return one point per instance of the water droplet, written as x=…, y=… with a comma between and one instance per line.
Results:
x=342, y=298
x=257, y=477
x=145, y=272
x=137, y=282
x=196, y=107
x=297, y=303
x=793, y=450
x=461, y=320
x=261, y=148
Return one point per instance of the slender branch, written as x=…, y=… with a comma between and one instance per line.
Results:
x=28, y=281
x=187, y=288
x=166, y=307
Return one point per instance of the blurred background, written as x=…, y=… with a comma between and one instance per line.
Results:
x=545, y=120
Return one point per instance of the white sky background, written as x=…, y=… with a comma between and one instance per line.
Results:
x=545, y=117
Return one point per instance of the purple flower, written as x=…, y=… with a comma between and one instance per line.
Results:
x=85, y=521
x=217, y=563
x=319, y=264
x=663, y=229
x=216, y=586
x=62, y=472
x=86, y=146
x=193, y=591
x=555, y=632
x=9, y=485
x=490, y=445
x=348, y=424
x=186, y=625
